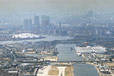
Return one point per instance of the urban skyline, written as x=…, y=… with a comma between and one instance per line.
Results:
x=56, y=38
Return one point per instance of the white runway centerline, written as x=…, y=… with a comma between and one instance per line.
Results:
x=61, y=71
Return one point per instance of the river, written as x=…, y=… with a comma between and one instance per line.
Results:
x=47, y=38
x=65, y=54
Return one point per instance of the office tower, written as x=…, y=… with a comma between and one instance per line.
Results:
x=28, y=23
x=45, y=21
x=36, y=20
x=60, y=28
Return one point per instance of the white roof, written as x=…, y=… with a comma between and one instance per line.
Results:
x=25, y=35
x=88, y=49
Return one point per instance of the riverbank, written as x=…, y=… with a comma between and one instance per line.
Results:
x=47, y=38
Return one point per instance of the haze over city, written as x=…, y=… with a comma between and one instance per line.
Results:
x=56, y=37
x=54, y=7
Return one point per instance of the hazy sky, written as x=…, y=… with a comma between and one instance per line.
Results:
x=8, y=6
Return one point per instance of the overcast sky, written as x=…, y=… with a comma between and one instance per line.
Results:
x=8, y=6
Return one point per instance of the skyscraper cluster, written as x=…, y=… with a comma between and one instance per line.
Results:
x=44, y=22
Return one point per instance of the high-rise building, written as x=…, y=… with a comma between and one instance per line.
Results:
x=28, y=23
x=60, y=30
x=45, y=20
x=36, y=20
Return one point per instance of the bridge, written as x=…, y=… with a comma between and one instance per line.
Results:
x=73, y=62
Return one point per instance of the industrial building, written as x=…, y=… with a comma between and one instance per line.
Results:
x=89, y=49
